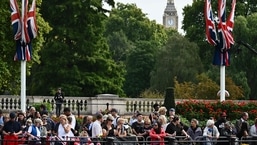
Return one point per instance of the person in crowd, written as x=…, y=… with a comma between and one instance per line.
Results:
x=47, y=125
x=147, y=127
x=115, y=115
x=242, y=126
x=194, y=131
x=157, y=134
x=253, y=131
x=97, y=130
x=37, y=115
x=221, y=121
x=138, y=126
x=68, y=113
x=63, y=130
x=230, y=132
x=1, y=120
x=88, y=125
x=154, y=115
x=59, y=98
x=133, y=118
x=163, y=120
x=43, y=109
x=162, y=111
x=31, y=113
x=210, y=132
x=104, y=119
x=172, y=112
x=34, y=133
x=171, y=128
x=22, y=120
x=11, y=130
x=120, y=129
x=108, y=128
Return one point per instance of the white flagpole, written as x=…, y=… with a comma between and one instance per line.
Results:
x=23, y=67
x=222, y=83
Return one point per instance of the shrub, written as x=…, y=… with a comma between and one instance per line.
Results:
x=202, y=110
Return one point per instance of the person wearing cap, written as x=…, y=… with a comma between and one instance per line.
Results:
x=115, y=115
x=11, y=130
x=58, y=97
x=172, y=112
x=108, y=128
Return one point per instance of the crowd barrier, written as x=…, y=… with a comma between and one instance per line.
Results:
x=129, y=140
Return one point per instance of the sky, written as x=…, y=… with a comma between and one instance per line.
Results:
x=155, y=8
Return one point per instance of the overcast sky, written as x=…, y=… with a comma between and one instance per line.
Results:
x=155, y=8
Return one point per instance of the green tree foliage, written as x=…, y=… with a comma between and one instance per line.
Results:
x=76, y=55
x=139, y=64
x=137, y=49
x=10, y=70
x=245, y=61
x=119, y=45
x=180, y=59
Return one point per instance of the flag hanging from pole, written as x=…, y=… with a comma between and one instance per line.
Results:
x=225, y=38
x=210, y=28
x=24, y=28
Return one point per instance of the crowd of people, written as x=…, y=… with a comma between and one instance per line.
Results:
x=36, y=126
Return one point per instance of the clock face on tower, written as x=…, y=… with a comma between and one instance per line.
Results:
x=170, y=22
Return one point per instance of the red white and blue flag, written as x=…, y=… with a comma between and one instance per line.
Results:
x=24, y=28
x=225, y=37
x=210, y=28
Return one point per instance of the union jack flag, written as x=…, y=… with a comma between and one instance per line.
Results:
x=15, y=18
x=25, y=29
x=210, y=28
x=225, y=28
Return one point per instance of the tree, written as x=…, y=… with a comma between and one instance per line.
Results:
x=180, y=59
x=76, y=56
x=139, y=64
x=10, y=70
x=137, y=49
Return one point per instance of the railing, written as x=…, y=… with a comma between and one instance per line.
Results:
x=84, y=105
x=129, y=140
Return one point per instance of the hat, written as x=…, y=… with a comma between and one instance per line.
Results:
x=114, y=110
x=172, y=109
x=223, y=114
x=105, y=117
x=12, y=115
x=110, y=117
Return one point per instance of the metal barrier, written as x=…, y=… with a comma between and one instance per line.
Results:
x=130, y=140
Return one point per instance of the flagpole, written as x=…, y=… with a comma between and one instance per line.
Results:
x=222, y=83
x=23, y=67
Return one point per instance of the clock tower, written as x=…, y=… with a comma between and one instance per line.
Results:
x=170, y=16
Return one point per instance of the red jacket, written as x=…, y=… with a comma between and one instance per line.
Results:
x=154, y=137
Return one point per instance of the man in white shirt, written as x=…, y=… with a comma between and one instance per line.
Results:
x=97, y=130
